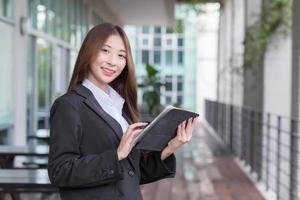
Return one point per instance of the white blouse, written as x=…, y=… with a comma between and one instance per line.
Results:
x=111, y=102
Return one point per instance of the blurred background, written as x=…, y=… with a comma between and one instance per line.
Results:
x=235, y=62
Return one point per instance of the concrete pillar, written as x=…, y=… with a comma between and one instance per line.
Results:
x=295, y=60
x=20, y=75
x=253, y=79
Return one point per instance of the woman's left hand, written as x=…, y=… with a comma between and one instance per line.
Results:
x=184, y=135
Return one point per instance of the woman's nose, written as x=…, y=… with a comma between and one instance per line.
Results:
x=112, y=59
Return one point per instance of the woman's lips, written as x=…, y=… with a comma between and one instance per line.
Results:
x=107, y=71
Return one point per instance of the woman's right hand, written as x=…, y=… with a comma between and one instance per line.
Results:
x=127, y=139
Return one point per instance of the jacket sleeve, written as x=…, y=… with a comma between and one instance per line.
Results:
x=152, y=168
x=67, y=168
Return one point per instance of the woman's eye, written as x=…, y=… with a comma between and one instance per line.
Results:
x=105, y=50
x=122, y=56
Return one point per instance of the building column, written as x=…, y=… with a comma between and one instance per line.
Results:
x=253, y=78
x=20, y=75
x=295, y=60
x=295, y=99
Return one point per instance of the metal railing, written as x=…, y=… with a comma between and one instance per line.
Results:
x=267, y=143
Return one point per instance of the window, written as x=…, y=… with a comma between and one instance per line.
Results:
x=6, y=8
x=169, y=30
x=168, y=83
x=180, y=42
x=145, y=42
x=179, y=100
x=157, y=42
x=145, y=56
x=157, y=29
x=180, y=58
x=169, y=42
x=168, y=100
x=169, y=57
x=157, y=56
x=145, y=29
x=179, y=83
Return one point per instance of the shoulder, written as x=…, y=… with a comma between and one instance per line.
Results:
x=69, y=100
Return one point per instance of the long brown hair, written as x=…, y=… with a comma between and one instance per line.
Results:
x=125, y=83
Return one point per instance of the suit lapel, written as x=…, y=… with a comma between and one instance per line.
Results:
x=92, y=103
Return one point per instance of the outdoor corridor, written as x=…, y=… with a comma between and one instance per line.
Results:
x=205, y=171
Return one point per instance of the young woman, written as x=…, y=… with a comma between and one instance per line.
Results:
x=92, y=126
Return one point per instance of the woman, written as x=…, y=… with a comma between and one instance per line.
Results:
x=93, y=126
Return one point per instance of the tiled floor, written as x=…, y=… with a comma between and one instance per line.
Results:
x=205, y=171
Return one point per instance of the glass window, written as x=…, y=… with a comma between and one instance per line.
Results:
x=169, y=42
x=157, y=42
x=168, y=100
x=145, y=29
x=179, y=100
x=41, y=17
x=157, y=29
x=32, y=4
x=72, y=25
x=168, y=83
x=6, y=8
x=179, y=83
x=145, y=56
x=180, y=42
x=180, y=57
x=169, y=30
x=6, y=68
x=157, y=56
x=169, y=57
x=66, y=21
x=145, y=42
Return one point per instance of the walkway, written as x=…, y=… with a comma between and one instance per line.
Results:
x=205, y=171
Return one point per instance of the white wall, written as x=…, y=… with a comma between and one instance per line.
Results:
x=207, y=57
x=277, y=76
x=237, y=54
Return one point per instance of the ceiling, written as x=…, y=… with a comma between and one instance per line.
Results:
x=139, y=12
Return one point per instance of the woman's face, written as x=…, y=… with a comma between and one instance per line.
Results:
x=109, y=62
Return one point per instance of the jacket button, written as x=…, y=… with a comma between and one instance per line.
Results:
x=111, y=171
x=131, y=173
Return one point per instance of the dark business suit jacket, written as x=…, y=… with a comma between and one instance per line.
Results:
x=83, y=159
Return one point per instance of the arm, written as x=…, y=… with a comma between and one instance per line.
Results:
x=67, y=167
x=184, y=135
x=152, y=168
x=158, y=165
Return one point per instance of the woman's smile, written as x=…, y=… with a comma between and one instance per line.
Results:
x=107, y=71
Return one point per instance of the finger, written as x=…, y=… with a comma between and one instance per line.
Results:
x=134, y=126
x=179, y=130
x=183, y=131
x=135, y=133
x=189, y=124
x=138, y=125
x=189, y=128
x=195, y=121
